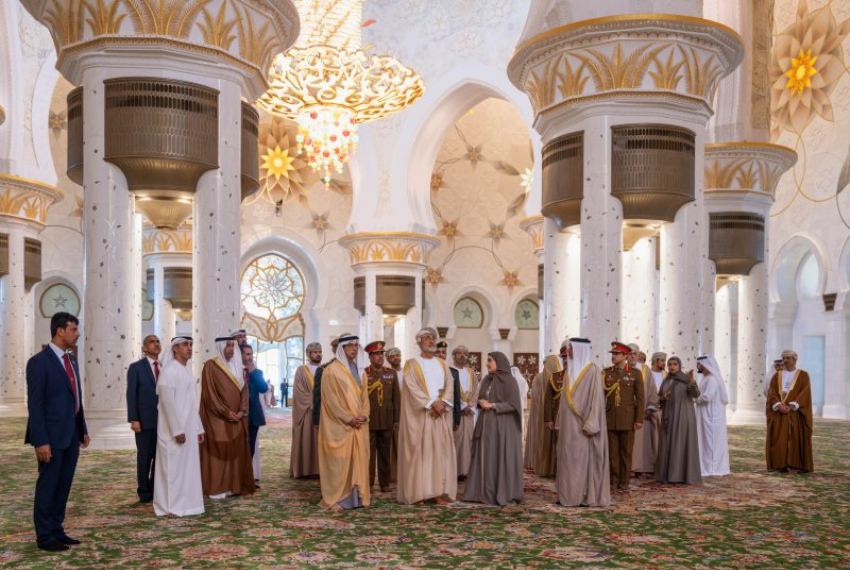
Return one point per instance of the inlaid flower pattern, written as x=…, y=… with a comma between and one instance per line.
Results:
x=807, y=62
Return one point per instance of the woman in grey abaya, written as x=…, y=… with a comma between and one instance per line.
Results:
x=678, y=446
x=495, y=473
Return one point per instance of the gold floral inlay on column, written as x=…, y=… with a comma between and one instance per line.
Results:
x=27, y=200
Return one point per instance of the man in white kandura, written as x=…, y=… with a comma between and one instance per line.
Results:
x=177, y=482
x=711, y=419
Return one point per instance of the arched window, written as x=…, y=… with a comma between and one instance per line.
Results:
x=469, y=314
x=272, y=298
x=527, y=315
x=59, y=297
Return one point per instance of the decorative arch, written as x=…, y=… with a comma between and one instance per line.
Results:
x=421, y=136
x=787, y=264
x=844, y=264
x=480, y=296
x=303, y=259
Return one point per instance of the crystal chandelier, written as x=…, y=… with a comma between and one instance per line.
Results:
x=328, y=85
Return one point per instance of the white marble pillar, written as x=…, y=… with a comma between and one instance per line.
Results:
x=164, y=323
x=372, y=320
x=601, y=243
x=752, y=341
x=723, y=334
x=561, y=303
x=112, y=291
x=837, y=385
x=680, y=291
x=640, y=295
x=216, y=303
x=413, y=323
x=13, y=324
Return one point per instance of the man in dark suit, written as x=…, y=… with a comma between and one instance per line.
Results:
x=142, y=402
x=56, y=428
x=256, y=386
x=442, y=352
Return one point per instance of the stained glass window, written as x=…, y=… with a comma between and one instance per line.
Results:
x=527, y=315
x=469, y=314
x=272, y=297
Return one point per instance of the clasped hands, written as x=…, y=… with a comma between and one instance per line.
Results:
x=181, y=439
x=485, y=405
x=236, y=416
x=438, y=408
x=783, y=408
x=357, y=421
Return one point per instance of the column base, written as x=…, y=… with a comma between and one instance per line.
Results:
x=836, y=412
x=748, y=415
x=13, y=408
x=110, y=430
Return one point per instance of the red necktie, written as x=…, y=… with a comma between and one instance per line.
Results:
x=156, y=371
x=73, y=380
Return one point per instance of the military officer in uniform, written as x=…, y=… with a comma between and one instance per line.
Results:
x=625, y=407
x=384, y=410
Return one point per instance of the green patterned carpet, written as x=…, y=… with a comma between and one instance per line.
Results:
x=748, y=520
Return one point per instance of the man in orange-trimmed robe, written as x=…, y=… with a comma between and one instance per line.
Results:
x=344, y=431
x=304, y=457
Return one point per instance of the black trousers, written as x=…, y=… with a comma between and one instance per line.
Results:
x=145, y=460
x=52, y=490
x=253, y=432
x=380, y=447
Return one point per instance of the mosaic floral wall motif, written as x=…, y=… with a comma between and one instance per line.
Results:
x=810, y=110
x=479, y=187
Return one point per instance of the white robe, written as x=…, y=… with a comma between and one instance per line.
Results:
x=177, y=481
x=711, y=429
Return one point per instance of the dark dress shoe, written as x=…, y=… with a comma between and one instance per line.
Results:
x=54, y=546
x=67, y=540
x=146, y=499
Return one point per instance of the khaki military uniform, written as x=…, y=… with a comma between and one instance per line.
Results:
x=384, y=410
x=625, y=404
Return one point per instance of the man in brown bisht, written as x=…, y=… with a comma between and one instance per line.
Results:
x=427, y=467
x=789, y=418
x=645, y=449
x=547, y=439
x=625, y=406
x=468, y=392
x=583, y=470
x=384, y=411
x=304, y=458
x=225, y=456
x=343, y=431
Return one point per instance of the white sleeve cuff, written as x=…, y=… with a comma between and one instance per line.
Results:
x=794, y=406
x=463, y=406
x=430, y=403
x=449, y=404
x=776, y=406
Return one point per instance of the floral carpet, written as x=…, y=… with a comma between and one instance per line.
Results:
x=748, y=520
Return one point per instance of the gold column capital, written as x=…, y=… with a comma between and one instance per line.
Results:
x=27, y=200
x=389, y=247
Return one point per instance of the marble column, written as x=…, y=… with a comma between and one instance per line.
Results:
x=372, y=320
x=680, y=289
x=837, y=386
x=164, y=323
x=640, y=295
x=723, y=334
x=390, y=253
x=752, y=343
x=112, y=293
x=13, y=309
x=216, y=301
x=601, y=242
x=561, y=293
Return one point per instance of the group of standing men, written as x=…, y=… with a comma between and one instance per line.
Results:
x=425, y=427
x=185, y=448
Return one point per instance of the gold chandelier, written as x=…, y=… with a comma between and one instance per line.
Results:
x=328, y=85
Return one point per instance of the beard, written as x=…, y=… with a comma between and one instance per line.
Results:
x=429, y=349
x=316, y=360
